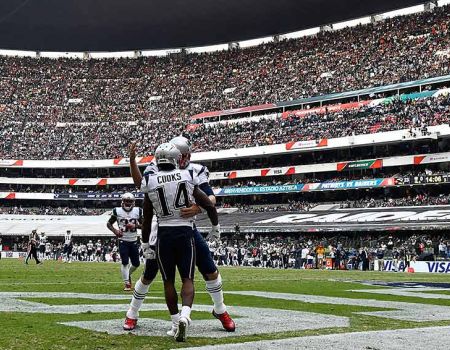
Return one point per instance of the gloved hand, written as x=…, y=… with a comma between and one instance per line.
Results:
x=148, y=252
x=214, y=234
x=118, y=232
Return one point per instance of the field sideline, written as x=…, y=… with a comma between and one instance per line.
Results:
x=308, y=298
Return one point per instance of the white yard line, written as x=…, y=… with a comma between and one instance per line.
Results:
x=411, y=339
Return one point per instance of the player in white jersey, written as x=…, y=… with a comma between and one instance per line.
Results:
x=48, y=250
x=98, y=250
x=42, y=241
x=204, y=259
x=90, y=250
x=169, y=189
x=67, y=249
x=129, y=220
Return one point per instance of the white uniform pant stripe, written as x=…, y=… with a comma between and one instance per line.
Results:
x=191, y=270
x=160, y=263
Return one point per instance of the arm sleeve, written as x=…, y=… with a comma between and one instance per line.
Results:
x=113, y=217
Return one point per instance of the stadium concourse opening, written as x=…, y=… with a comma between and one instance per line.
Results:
x=309, y=175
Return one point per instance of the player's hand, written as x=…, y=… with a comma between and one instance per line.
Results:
x=132, y=150
x=148, y=252
x=193, y=210
x=214, y=234
x=118, y=233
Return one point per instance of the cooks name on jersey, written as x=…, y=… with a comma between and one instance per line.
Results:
x=168, y=178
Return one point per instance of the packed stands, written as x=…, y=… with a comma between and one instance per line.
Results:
x=101, y=105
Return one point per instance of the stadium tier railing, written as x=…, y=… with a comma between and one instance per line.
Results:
x=377, y=163
x=433, y=132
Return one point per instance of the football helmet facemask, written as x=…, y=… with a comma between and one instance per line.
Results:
x=128, y=201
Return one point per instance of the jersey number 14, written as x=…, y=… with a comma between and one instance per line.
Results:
x=181, y=199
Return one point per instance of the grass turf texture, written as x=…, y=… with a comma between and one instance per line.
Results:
x=42, y=331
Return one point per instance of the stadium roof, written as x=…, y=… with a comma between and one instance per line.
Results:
x=117, y=25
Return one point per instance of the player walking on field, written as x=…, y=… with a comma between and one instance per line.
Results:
x=32, y=249
x=129, y=220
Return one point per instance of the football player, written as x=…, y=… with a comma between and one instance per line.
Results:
x=90, y=250
x=98, y=250
x=67, y=249
x=204, y=261
x=42, y=241
x=32, y=251
x=129, y=220
x=169, y=189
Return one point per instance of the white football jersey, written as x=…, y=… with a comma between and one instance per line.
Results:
x=170, y=191
x=42, y=240
x=200, y=171
x=128, y=217
x=67, y=238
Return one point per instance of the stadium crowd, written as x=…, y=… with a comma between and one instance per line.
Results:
x=422, y=199
x=49, y=210
x=311, y=251
x=294, y=251
x=156, y=95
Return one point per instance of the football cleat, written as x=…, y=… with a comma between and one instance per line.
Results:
x=127, y=287
x=129, y=324
x=180, y=334
x=172, y=331
x=226, y=320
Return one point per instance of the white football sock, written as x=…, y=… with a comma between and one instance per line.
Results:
x=175, y=319
x=140, y=290
x=214, y=289
x=125, y=271
x=186, y=312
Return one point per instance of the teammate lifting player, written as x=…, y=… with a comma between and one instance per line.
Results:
x=167, y=190
x=205, y=262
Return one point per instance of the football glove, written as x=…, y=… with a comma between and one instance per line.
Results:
x=147, y=251
x=214, y=234
x=118, y=233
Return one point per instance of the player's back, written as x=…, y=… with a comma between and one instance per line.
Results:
x=170, y=191
x=200, y=171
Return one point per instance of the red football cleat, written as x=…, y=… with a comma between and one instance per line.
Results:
x=227, y=322
x=129, y=324
x=127, y=287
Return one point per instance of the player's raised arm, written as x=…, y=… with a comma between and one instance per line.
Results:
x=134, y=169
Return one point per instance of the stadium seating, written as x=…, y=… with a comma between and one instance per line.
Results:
x=154, y=97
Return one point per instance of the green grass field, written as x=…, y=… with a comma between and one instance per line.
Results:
x=22, y=330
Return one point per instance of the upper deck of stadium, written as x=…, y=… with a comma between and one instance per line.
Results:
x=91, y=109
x=91, y=25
